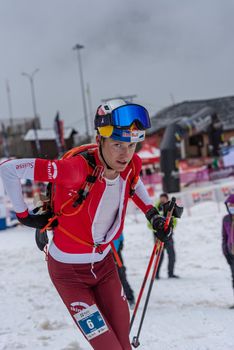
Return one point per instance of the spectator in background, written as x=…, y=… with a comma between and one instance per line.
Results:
x=169, y=245
x=28, y=188
x=228, y=236
x=119, y=244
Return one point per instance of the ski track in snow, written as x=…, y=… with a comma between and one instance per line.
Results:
x=190, y=313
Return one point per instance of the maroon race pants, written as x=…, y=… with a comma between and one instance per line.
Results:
x=79, y=289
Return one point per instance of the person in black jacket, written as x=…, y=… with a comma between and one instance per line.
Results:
x=169, y=245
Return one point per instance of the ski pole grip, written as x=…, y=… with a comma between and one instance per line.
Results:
x=169, y=213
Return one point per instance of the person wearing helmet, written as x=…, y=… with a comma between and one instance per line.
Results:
x=228, y=236
x=89, y=207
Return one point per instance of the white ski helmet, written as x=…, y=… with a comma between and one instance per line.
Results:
x=122, y=121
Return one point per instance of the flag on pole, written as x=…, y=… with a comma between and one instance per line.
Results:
x=59, y=133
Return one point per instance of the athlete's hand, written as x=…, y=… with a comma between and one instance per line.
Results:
x=158, y=223
x=36, y=221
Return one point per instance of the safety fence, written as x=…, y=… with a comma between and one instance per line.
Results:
x=192, y=176
x=189, y=198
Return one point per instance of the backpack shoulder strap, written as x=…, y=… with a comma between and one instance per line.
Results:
x=89, y=157
x=78, y=150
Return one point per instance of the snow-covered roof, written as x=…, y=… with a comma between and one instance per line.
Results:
x=46, y=134
x=223, y=106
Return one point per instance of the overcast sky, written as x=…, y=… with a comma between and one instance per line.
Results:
x=160, y=50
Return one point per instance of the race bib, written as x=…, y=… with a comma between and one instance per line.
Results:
x=91, y=322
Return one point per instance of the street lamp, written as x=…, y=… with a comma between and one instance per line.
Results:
x=31, y=77
x=31, y=80
x=79, y=47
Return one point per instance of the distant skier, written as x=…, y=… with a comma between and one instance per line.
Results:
x=228, y=236
x=90, y=192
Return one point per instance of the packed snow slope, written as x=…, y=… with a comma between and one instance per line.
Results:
x=190, y=313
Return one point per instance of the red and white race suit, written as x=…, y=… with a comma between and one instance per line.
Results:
x=68, y=175
x=69, y=261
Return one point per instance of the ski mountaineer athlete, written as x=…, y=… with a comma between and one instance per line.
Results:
x=80, y=262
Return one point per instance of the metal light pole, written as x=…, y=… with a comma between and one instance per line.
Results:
x=31, y=77
x=8, y=91
x=79, y=47
x=31, y=80
x=90, y=108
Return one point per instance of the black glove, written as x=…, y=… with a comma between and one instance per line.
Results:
x=41, y=239
x=36, y=221
x=157, y=221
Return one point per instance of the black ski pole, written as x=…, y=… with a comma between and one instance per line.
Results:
x=135, y=341
x=154, y=252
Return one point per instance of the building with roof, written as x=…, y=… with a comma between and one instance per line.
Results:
x=12, y=133
x=196, y=145
x=47, y=139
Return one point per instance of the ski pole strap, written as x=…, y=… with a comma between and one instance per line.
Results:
x=116, y=255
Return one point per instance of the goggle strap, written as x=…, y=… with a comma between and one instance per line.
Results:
x=103, y=120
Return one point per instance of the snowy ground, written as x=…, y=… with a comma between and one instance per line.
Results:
x=186, y=314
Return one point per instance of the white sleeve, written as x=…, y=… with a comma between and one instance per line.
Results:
x=11, y=172
x=142, y=193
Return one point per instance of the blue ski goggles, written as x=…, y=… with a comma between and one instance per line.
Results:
x=124, y=116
